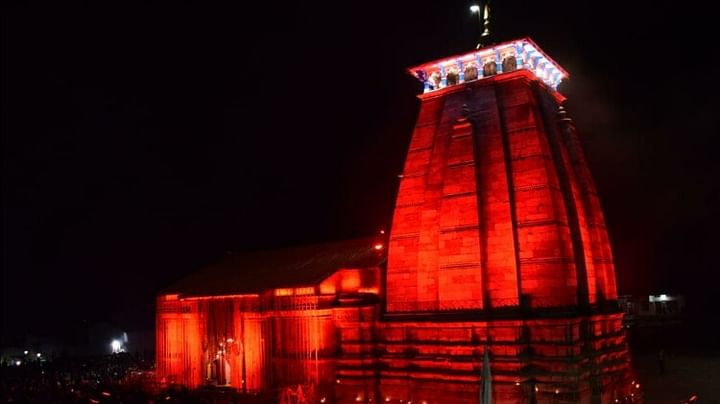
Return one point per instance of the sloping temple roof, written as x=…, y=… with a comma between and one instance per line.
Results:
x=256, y=271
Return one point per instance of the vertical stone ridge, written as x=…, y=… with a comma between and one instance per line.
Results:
x=600, y=244
x=511, y=194
x=575, y=214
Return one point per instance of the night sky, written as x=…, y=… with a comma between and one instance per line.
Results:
x=141, y=142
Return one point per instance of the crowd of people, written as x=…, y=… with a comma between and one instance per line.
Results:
x=116, y=378
x=108, y=379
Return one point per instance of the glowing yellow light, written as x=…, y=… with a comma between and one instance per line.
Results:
x=304, y=291
x=378, y=246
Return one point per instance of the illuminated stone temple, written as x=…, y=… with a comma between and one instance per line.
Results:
x=498, y=244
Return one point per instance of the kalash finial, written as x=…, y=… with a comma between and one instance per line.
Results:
x=482, y=9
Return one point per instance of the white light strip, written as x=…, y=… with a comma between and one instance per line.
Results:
x=528, y=55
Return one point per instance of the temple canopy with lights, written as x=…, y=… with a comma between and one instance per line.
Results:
x=496, y=279
x=502, y=58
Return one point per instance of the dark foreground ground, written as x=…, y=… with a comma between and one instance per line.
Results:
x=692, y=361
x=691, y=352
x=109, y=380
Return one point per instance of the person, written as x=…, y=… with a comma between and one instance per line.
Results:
x=661, y=361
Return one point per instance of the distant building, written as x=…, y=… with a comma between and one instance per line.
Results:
x=652, y=310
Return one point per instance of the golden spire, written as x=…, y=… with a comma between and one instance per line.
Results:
x=482, y=9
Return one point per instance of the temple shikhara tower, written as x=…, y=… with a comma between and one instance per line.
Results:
x=496, y=278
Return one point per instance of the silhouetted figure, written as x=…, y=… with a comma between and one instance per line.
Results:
x=661, y=360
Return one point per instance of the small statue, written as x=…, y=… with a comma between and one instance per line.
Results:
x=435, y=80
x=471, y=72
x=452, y=77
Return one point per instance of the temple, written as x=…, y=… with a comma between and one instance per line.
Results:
x=496, y=278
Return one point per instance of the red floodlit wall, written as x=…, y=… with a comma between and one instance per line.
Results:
x=543, y=360
x=304, y=344
x=179, y=347
x=220, y=339
x=496, y=196
x=280, y=337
